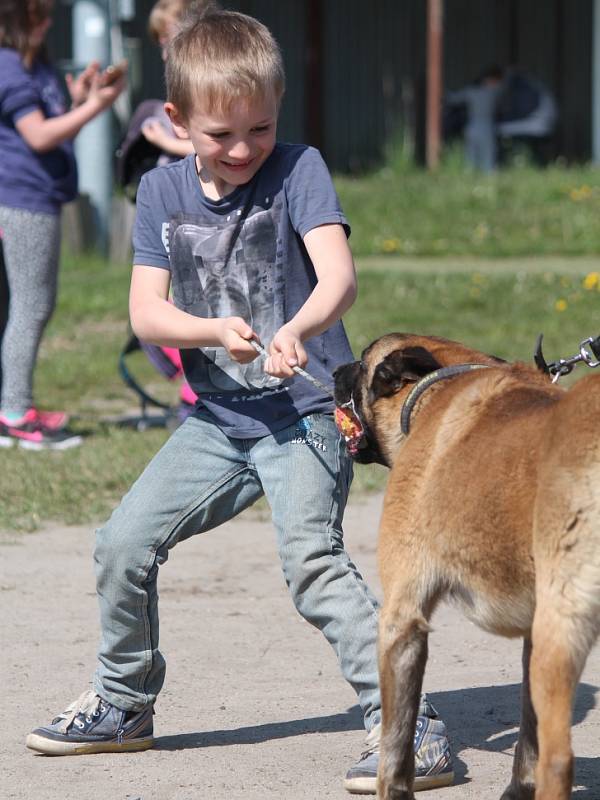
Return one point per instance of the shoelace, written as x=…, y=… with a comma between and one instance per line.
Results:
x=373, y=738
x=87, y=704
x=372, y=742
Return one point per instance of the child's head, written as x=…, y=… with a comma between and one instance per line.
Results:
x=224, y=84
x=24, y=23
x=491, y=76
x=166, y=16
x=219, y=58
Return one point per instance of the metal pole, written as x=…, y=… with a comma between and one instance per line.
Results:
x=435, y=13
x=93, y=145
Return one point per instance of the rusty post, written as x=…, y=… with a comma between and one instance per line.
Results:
x=435, y=14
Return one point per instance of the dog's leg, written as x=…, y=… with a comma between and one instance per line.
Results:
x=403, y=633
x=522, y=786
x=555, y=668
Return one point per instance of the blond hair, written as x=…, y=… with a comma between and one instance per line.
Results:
x=219, y=57
x=165, y=12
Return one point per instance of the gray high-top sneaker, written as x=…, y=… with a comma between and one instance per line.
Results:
x=91, y=725
x=433, y=762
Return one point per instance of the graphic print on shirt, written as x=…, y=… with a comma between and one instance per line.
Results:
x=229, y=270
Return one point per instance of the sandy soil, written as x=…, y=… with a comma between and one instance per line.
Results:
x=253, y=706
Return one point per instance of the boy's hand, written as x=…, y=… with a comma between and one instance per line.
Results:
x=234, y=334
x=286, y=351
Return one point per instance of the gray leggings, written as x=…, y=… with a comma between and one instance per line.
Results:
x=31, y=244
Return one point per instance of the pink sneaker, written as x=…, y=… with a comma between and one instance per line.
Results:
x=51, y=420
x=30, y=434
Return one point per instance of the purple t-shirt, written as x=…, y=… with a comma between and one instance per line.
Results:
x=39, y=182
x=243, y=255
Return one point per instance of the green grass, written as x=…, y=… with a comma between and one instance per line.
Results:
x=498, y=313
x=494, y=311
x=519, y=211
x=491, y=261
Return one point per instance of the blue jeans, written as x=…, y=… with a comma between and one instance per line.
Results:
x=200, y=479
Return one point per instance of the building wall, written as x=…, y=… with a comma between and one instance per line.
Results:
x=356, y=70
x=551, y=39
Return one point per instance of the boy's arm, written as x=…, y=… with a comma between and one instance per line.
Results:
x=335, y=292
x=157, y=321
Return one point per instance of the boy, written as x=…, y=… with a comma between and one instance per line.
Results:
x=250, y=236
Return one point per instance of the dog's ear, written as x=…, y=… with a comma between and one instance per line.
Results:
x=399, y=368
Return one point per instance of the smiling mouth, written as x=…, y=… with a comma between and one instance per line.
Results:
x=237, y=167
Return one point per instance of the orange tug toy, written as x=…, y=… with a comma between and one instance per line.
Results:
x=350, y=427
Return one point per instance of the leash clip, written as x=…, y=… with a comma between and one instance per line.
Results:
x=594, y=345
x=565, y=365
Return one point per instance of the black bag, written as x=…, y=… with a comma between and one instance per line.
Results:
x=520, y=98
x=136, y=155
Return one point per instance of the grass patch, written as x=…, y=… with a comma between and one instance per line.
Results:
x=498, y=312
x=403, y=210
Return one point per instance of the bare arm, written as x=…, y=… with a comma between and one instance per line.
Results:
x=157, y=321
x=155, y=133
x=333, y=295
x=335, y=292
x=45, y=133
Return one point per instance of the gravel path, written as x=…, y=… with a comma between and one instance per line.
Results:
x=253, y=705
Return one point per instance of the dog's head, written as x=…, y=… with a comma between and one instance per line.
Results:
x=369, y=393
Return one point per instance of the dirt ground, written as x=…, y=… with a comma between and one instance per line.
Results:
x=253, y=706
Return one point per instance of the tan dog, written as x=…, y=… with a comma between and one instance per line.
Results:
x=493, y=500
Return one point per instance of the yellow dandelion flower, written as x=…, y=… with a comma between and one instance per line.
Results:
x=579, y=193
x=390, y=245
x=591, y=280
x=561, y=305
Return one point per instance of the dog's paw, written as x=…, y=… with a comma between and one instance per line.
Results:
x=520, y=792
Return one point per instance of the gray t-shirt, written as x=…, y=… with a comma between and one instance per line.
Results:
x=243, y=255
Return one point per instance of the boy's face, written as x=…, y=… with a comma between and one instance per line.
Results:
x=232, y=145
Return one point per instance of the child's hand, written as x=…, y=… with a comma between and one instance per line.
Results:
x=286, y=351
x=105, y=95
x=79, y=87
x=154, y=132
x=234, y=334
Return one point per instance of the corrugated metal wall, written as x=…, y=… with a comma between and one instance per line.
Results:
x=372, y=62
x=551, y=39
x=356, y=71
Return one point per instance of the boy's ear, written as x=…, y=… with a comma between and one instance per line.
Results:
x=177, y=121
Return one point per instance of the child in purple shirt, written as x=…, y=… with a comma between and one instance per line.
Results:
x=38, y=174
